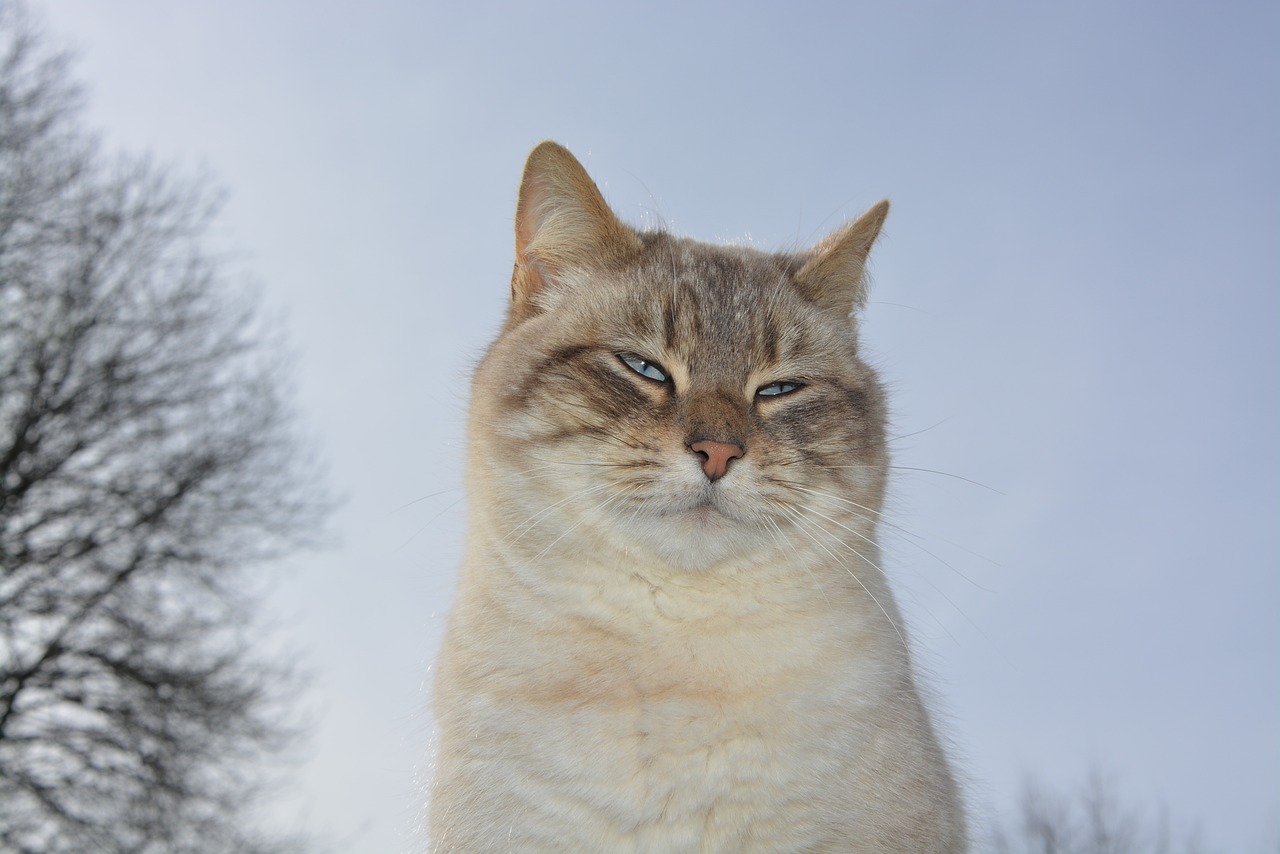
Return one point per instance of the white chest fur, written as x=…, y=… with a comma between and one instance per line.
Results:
x=773, y=732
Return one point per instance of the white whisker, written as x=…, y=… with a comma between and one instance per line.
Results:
x=575, y=525
x=902, y=533
x=421, y=499
x=531, y=522
x=427, y=524
x=802, y=525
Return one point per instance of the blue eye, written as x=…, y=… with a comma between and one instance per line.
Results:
x=776, y=389
x=644, y=367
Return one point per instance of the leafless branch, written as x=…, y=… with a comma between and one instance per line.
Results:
x=148, y=465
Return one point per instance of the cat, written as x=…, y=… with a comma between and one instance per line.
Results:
x=671, y=631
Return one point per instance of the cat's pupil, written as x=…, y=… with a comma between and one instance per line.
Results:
x=644, y=367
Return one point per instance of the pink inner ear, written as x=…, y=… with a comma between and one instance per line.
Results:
x=562, y=222
x=531, y=274
x=528, y=208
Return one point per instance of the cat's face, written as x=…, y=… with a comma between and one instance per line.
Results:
x=690, y=403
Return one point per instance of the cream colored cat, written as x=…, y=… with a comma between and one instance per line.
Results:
x=672, y=633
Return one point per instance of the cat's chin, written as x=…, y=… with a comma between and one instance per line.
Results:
x=705, y=513
x=697, y=535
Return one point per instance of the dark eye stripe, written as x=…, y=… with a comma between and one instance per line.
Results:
x=643, y=367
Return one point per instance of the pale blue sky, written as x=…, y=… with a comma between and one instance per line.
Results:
x=1076, y=304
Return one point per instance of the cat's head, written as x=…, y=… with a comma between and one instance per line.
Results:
x=671, y=400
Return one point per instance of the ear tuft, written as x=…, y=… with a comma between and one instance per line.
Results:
x=834, y=276
x=562, y=223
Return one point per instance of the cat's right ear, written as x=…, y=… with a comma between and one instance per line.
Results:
x=563, y=225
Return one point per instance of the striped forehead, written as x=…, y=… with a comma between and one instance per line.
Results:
x=721, y=308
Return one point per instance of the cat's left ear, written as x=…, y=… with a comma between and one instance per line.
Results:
x=834, y=277
x=563, y=226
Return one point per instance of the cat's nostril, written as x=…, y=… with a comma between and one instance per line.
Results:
x=716, y=456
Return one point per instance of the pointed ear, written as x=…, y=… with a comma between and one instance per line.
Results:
x=562, y=224
x=833, y=277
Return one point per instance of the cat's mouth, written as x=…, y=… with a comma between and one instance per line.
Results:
x=704, y=509
x=708, y=508
x=701, y=508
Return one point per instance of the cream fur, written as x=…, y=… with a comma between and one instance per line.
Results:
x=662, y=664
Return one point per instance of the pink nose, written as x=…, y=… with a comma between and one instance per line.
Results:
x=716, y=456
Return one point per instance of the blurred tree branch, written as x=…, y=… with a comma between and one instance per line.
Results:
x=1094, y=820
x=147, y=464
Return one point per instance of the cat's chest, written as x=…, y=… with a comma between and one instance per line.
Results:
x=635, y=722
x=686, y=742
x=678, y=771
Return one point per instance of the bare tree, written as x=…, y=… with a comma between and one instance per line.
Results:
x=147, y=467
x=1093, y=821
